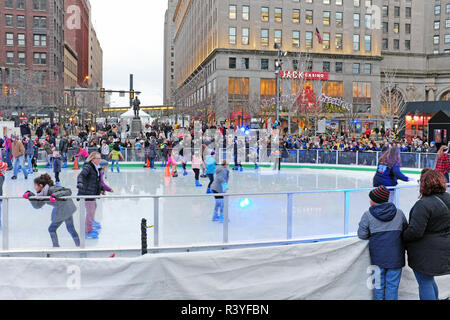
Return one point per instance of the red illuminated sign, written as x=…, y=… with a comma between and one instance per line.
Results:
x=302, y=75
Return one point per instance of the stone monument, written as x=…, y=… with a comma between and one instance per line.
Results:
x=136, y=124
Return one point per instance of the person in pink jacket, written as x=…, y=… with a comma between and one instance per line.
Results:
x=83, y=153
x=197, y=163
x=172, y=165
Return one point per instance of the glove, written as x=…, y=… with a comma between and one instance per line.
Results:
x=52, y=198
x=26, y=195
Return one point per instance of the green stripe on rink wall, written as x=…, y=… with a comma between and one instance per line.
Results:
x=265, y=165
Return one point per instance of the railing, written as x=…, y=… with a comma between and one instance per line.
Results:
x=288, y=215
x=369, y=158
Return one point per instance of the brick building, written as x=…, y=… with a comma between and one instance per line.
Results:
x=31, y=55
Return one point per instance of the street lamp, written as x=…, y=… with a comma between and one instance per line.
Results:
x=278, y=67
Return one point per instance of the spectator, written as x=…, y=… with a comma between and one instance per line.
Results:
x=427, y=236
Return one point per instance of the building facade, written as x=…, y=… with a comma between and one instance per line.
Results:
x=31, y=56
x=225, y=60
x=169, y=53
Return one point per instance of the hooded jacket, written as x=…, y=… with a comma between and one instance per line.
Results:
x=383, y=225
x=388, y=177
x=221, y=176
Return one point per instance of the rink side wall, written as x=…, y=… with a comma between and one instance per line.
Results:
x=269, y=165
x=321, y=271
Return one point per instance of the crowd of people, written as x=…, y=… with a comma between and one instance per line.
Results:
x=426, y=236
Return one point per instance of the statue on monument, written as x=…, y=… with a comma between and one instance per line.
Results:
x=136, y=107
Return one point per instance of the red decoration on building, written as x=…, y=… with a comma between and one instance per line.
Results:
x=307, y=102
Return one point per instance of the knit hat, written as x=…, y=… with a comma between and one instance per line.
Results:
x=3, y=168
x=380, y=195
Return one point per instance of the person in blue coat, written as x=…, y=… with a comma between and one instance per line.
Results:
x=388, y=170
x=210, y=169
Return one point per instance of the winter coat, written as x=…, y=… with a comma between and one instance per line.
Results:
x=387, y=177
x=63, y=145
x=18, y=150
x=210, y=165
x=57, y=164
x=89, y=181
x=220, y=176
x=63, y=209
x=29, y=148
x=427, y=237
x=383, y=225
x=151, y=150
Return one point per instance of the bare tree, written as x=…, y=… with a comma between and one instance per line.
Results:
x=393, y=103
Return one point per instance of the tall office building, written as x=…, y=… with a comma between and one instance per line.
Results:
x=169, y=53
x=31, y=56
x=225, y=57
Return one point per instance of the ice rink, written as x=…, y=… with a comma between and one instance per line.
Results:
x=187, y=220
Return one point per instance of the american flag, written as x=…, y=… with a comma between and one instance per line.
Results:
x=319, y=37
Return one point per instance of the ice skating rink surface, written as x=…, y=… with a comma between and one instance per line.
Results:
x=187, y=220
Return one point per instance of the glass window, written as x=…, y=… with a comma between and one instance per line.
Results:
x=447, y=38
x=265, y=37
x=326, y=18
x=396, y=12
x=407, y=28
x=437, y=25
x=339, y=41
x=265, y=14
x=21, y=21
x=356, y=68
x=437, y=9
x=396, y=27
x=368, y=68
x=356, y=3
x=436, y=39
x=232, y=63
x=326, y=66
x=264, y=64
x=9, y=4
x=9, y=39
x=339, y=19
x=296, y=39
x=232, y=35
x=278, y=37
x=356, y=21
x=21, y=39
x=245, y=36
x=385, y=44
x=21, y=58
x=368, y=21
x=368, y=43
x=326, y=40
x=10, y=57
x=309, y=16
x=245, y=63
x=296, y=15
x=356, y=44
x=21, y=4
x=309, y=39
x=278, y=15
x=338, y=67
x=408, y=44
x=245, y=13
x=396, y=44
x=40, y=5
x=9, y=20
x=232, y=11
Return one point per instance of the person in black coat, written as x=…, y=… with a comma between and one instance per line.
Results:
x=89, y=184
x=427, y=237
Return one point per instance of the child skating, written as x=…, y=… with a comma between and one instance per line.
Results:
x=63, y=209
x=220, y=186
x=115, y=156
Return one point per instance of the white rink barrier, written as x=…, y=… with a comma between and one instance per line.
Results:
x=320, y=271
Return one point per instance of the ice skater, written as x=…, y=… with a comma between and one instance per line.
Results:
x=3, y=169
x=197, y=162
x=89, y=184
x=57, y=165
x=220, y=186
x=63, y=209
x=115, y=156
x=172, y=165
x=210, y=169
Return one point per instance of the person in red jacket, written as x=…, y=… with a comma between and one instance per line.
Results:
x=443, y=162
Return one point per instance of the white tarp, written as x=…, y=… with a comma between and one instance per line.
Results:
x=327, y=270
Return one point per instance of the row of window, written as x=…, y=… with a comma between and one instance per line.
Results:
x=39, y=5
x=38, y=22
x=39, y=40
x=39, y=58
x=278, y=38
x=437, y=9
x=278, y=15
x=357, y=68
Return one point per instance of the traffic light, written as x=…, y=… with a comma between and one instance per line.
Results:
x=102, y=93
x=131, y=94
x=14, y=92
x=6, y=90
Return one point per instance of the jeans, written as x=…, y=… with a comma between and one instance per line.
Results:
x=19, y=162
x=90, y=206
x=8, y=158
x=70, y=227
x=389, y=283
x=112, y=165
x=29, y=161
x=64, y=157
x=211, y=179
x=428, y=289
x=219, y=207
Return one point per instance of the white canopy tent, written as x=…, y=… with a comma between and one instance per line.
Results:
x=130, y=115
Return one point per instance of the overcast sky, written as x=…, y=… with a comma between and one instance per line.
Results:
x=131, y=34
